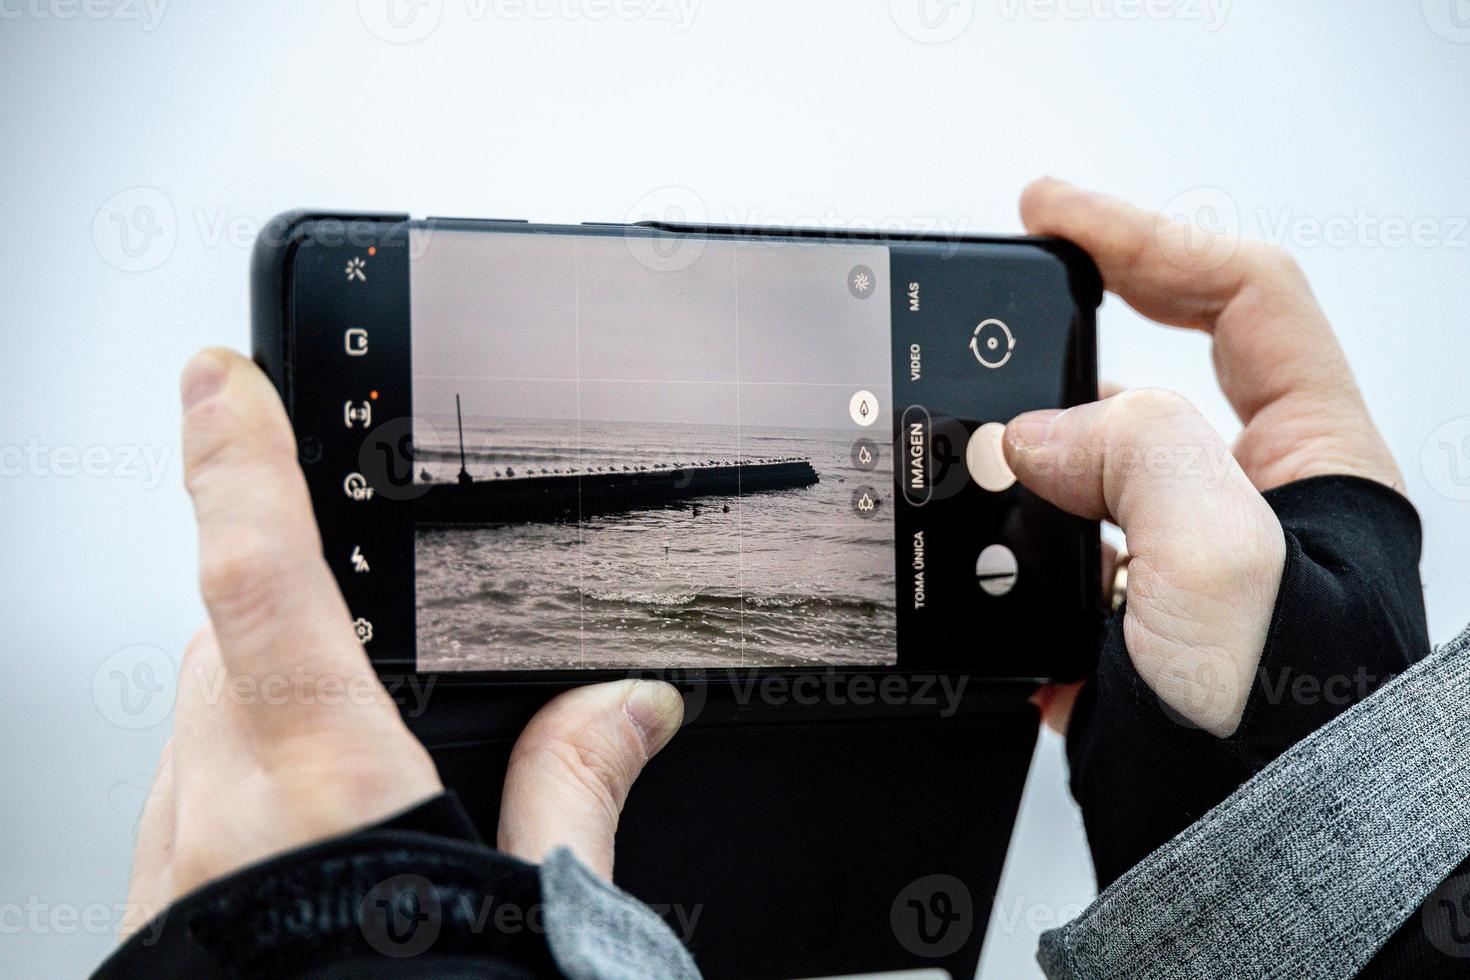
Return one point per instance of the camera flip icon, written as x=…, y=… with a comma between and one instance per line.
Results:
x=992, y=343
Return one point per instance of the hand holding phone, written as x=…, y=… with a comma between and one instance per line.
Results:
x=1207, y=548
x=276, y=698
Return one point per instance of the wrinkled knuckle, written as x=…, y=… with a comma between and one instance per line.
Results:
x=1255, y=553
x=197, y=859
x=1139, y=416
x=1273, y=261
x=592, y=765
x=217, y=436
x=242, y=571
x=197, y=649
x=1230, y=565
x=209, y=432
x=1153, y=403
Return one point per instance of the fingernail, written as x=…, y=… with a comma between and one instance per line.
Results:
x=1032, y=429
x=655, y=709
x=203, y=376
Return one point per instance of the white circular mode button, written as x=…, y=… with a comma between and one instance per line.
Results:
x=863, y=408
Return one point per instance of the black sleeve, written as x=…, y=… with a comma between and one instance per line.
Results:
x=1349, y=615
x=418, y=895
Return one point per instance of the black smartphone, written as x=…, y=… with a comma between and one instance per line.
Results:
x=547, y=453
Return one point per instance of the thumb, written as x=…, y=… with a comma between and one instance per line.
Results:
x=1207, y=549
x=572, y=768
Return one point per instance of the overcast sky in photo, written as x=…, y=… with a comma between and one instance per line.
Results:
x=511, y=321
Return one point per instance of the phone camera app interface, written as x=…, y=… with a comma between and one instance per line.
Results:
x=639, y=451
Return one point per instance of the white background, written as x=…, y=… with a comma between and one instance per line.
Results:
x=827, y=112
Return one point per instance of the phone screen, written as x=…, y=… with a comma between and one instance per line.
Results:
x=644, y=454
x=544, y=450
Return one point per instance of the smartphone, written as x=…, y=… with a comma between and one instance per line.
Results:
x=553, y=453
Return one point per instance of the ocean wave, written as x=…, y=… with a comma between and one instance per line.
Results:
x=705, y=600
x=660, y=599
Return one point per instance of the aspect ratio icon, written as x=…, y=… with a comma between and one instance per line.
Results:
x=863, y=408
x=355, y=340
x=992, y=343
x=357, y=413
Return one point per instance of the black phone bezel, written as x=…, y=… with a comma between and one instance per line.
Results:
x=274, y=335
